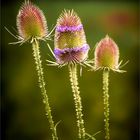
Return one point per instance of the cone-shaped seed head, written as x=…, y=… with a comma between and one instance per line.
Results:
x=31, y=21
x=70, y=41
x=106, y=54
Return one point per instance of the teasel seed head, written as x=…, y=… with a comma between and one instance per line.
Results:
x=31, y=22
x=107, y=54
x=70, y=40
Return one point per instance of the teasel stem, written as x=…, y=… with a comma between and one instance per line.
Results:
x=77, y=100
x=37, y=58
x=106, y=102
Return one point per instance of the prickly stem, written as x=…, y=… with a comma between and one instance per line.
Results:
x=37, y=58
x=106, y=102
x=77, y=100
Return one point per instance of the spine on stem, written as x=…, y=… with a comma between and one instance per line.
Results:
x=77, y=100
x=37, y=57
x=106, y=102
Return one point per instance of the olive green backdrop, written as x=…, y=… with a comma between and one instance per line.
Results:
x=23, y=116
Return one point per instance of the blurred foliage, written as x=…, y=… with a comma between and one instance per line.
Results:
x=23, y=114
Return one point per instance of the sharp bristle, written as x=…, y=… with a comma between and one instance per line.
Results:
x=68, y=18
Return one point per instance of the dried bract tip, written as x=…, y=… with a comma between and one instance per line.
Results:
x=70, y=41
x=31, y=22
x=107, y=54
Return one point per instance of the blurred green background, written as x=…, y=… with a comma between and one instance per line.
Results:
x=23, y=116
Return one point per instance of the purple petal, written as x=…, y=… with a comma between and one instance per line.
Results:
x=69, y=28
x=71, y=54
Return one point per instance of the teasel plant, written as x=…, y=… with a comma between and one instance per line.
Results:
x=107, y=59
x=71, y=49
x=32, y=28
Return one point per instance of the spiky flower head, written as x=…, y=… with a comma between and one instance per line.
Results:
x=70, y=41
x=31, y=22
x=107, y=54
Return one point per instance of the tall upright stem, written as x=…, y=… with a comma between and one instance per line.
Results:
x=37, y=58
x=77, y=100
x=106, y=102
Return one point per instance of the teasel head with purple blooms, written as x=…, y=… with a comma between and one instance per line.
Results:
x=71, y=48
x=31, y=24
x=70, y=40
x=107, y=55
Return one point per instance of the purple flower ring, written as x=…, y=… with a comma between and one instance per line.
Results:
x=69, y=28
x=76, y=54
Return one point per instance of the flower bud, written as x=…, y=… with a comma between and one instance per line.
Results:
x=106, y=54
x=70, y=41
x=31, y=21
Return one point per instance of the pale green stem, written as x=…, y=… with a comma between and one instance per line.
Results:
x=37, y=57
x=77, y=100
x=106, y=102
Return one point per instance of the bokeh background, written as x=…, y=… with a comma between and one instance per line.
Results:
x=23, y=116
